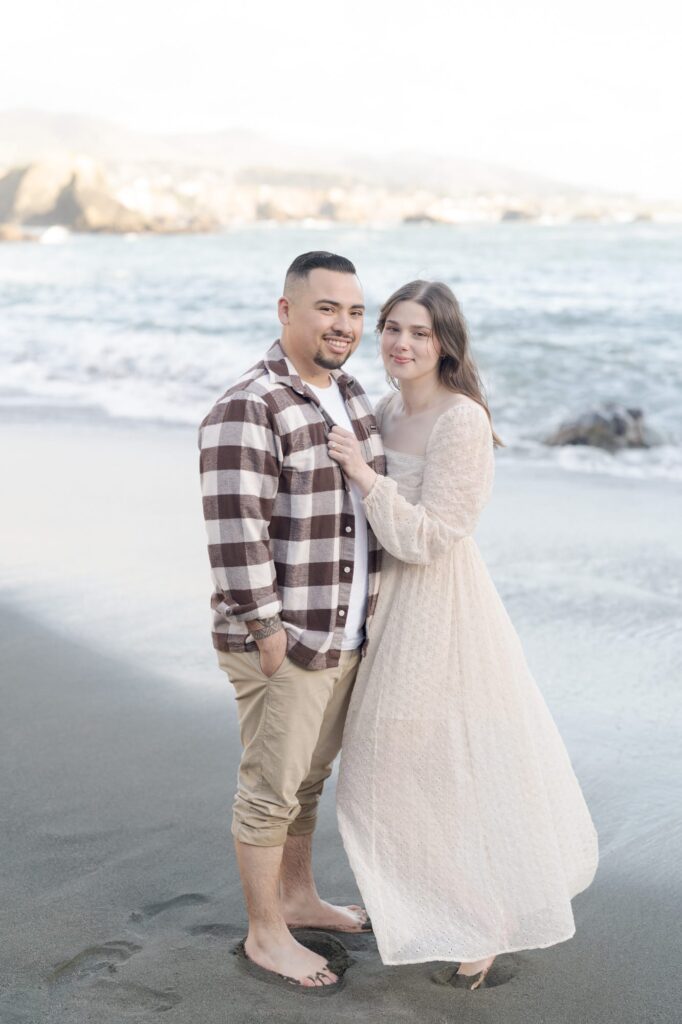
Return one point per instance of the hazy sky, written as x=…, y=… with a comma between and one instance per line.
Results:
x=583, y=90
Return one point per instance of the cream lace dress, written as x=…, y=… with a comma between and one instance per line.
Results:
x=458, y=807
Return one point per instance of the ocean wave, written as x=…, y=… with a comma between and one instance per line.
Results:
x=662, y=462
x=560, y=322
x=179, y=403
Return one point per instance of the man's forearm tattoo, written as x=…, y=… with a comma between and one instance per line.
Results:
x=268, y=627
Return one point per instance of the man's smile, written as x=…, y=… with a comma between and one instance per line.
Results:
x=338, y=345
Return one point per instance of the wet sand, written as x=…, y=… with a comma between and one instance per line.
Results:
x=121, y=899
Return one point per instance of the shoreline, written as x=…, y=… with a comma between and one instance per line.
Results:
x=107, y=541
x=658, y=462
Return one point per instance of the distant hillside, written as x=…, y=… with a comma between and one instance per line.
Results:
x=87, y=174
x=27, y=136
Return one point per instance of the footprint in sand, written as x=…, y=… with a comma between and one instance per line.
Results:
x=94, y=959
x=77, y=981
x=128, y=996
x=500, y=974
x=187, y=899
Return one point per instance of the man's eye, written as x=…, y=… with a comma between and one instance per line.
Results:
x=357, y=313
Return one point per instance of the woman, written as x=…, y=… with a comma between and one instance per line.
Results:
x=458, y=807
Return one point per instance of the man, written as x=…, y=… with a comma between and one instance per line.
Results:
x=296, y=572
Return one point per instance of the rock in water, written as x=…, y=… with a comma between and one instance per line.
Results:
x=611, y=426
x=29, y=193
x=73, y=193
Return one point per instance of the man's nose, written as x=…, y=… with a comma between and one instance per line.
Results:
x=343, y=323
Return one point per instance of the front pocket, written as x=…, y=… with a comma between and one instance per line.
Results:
x=282, y=668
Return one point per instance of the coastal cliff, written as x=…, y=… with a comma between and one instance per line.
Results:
x=88, y=175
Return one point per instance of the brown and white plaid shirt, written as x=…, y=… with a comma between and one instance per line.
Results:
x=278, y=511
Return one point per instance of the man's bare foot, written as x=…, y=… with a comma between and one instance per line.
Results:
x=313, y=912
x=280, y=952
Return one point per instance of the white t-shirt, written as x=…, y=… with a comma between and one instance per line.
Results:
x=354, y=633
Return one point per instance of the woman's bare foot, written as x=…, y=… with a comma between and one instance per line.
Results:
x=476, y=970
x=313, y=912
x=278, y=951
x=475, y=966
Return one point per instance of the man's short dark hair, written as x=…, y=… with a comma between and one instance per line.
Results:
x=308, y=261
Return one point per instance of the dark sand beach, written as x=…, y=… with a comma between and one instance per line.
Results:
x=120, y=895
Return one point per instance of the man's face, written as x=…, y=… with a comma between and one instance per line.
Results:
x=323, y=317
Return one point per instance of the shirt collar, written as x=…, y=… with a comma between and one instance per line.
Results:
x=282, y=371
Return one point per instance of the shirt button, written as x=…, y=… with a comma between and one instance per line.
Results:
x=347, y=569
x=341, y=613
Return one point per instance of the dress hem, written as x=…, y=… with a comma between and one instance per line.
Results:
x=450, y=958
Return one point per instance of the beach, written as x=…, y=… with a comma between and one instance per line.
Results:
x=119, y=745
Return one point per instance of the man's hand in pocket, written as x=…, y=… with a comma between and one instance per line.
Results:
x=272, y=652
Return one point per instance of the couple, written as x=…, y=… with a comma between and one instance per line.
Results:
x=459, y=810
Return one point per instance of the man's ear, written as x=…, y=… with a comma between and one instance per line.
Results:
x=283, y=310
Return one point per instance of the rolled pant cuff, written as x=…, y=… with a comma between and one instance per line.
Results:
x=268, y=835
x=304, y=827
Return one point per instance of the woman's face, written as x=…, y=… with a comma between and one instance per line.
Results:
x=409, y=348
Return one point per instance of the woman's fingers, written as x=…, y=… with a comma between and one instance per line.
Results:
x=338, y=439
x=335, y=448
x=344, y=448
x=339, y=433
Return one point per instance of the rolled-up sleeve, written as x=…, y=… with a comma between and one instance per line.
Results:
x=241, y=461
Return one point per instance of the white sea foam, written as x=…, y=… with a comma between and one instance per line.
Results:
x=54, y=235
x=561, y=319
x=663, y=462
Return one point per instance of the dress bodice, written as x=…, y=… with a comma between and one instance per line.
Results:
x=407, y=471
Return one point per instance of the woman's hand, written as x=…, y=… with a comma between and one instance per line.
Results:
x=345, y=449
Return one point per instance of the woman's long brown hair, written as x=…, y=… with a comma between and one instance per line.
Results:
x=457, y=370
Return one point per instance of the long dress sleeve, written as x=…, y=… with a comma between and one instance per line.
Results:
x=457, y=482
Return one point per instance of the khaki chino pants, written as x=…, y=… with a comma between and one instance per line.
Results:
x=291, y=725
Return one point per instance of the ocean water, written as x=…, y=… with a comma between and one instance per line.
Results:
x=155, y=328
